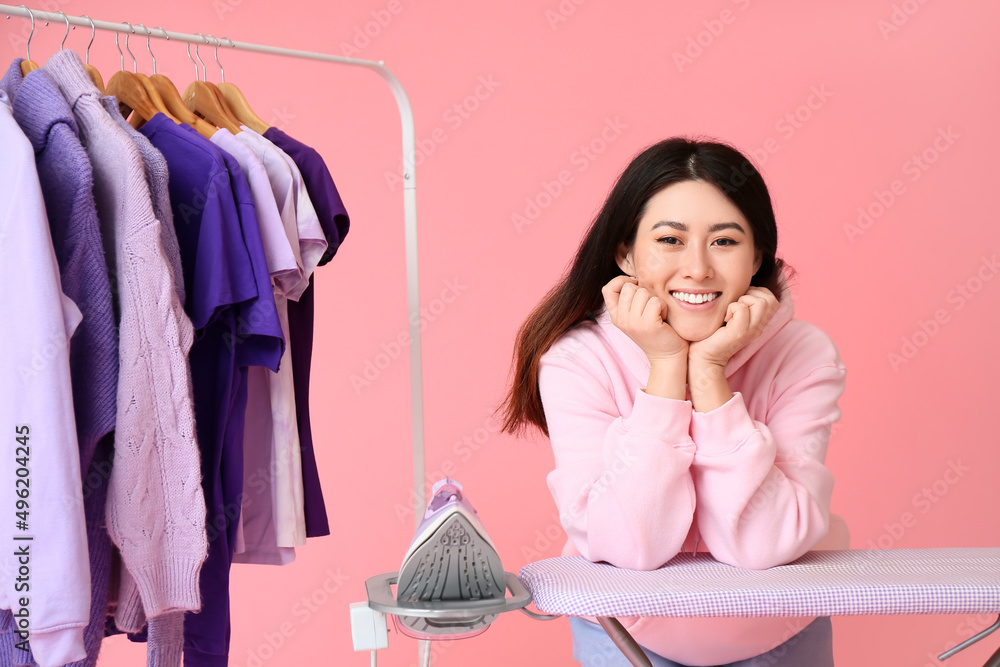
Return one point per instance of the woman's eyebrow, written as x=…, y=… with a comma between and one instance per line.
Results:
x=719, y=226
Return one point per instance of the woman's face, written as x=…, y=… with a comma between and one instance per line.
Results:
x=692, y=244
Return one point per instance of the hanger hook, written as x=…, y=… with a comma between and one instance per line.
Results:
x=62, y=44
x=93, y=31
x=135, y=63
x=166, y=37
x=120, y=54
x=188, y=47
x=197, y=55
x=217, y=42
x=148, y=33
x=231, y=43
x=27, y=47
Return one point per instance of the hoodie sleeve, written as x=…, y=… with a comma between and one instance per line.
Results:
x=763, y=489
x=622, y=484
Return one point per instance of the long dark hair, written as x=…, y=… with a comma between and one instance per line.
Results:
x=578, y=296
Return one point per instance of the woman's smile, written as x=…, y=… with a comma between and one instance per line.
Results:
x=696, y=301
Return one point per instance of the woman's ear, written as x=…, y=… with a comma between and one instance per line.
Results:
x=758, y=260
x=624, y=259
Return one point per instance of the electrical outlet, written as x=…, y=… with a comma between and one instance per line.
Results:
x=369, y=630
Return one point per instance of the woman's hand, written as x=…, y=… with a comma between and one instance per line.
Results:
x=638, y=313
x=745, y=320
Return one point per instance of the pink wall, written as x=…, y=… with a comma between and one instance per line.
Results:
x=885, y=107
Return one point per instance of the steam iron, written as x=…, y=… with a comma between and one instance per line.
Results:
x=450, y=559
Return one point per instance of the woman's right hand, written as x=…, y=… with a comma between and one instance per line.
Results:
x=637, y=312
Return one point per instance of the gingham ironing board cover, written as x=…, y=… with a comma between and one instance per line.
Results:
x=820, y=583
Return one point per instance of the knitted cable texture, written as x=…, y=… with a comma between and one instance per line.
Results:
x=156, y=508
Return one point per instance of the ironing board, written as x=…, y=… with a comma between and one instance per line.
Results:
x=820, y=583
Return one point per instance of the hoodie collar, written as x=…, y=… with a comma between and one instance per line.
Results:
x=638, y=362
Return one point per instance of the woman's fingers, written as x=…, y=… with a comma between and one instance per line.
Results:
x=653, y=309
x=761, y=305
x=625, y=302
x=612, y=293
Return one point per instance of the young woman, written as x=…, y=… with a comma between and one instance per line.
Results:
x=686, y=408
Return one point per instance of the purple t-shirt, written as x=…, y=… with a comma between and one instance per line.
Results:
x=231, y=305
x=301, y=314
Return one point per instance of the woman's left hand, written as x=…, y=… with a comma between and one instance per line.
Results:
x=745, y=320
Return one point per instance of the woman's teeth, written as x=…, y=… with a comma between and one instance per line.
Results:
x=695, y=298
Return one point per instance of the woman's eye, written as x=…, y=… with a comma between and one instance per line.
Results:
x=727, y=242
x=669, y=240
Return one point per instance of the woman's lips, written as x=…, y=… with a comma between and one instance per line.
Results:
x=697, y=307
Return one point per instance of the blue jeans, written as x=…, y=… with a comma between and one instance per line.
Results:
x=811, y=647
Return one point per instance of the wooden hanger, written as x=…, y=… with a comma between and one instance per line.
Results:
x=28, y=65
x=155, y=97
x=241, y=109
x=131, y=94
x=234, y=102
x=202, y=100
x=224, y=104
x=132, y=98
x=172, y=99
x=151, y=92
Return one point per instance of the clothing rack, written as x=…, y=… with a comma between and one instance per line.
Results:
x=409, y=197
x=409, y=191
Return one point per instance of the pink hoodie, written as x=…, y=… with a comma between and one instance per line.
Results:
x=640, y=478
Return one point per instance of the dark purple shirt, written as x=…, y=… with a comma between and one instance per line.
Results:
x=319, y=183
x=335, y=223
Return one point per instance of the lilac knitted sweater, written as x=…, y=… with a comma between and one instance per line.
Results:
x=156, y=508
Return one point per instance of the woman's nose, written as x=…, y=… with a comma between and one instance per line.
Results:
x=696, y=264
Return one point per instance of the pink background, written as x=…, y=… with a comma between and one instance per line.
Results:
x=881, y=94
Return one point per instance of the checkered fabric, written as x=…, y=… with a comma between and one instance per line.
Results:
x=820, y=583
